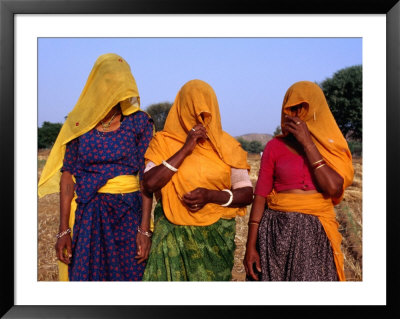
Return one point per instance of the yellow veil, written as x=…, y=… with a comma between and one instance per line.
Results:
x=110, y=82
x=323, y=128
x=207, y=167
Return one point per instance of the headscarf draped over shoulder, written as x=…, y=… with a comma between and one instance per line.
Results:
x=324, y=131
x=110, y=82
x=196, y=103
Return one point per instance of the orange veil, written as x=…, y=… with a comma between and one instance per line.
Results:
x=208, y=166
x=323, y=128
x=334, y=149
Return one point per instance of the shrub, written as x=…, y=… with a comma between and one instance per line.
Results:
x=47, y=134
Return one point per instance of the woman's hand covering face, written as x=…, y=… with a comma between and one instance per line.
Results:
x=298, y=128
x=197, y=134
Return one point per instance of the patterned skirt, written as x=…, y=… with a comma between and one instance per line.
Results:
x=294, y=247
x=190, y=253
x=104, y=239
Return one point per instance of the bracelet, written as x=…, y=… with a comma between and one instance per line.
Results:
x=314, y=164
x=230, y=198
x=315, y=168
x=143, y=232
x=63, y=233
x=254, y=224
x=169, y=166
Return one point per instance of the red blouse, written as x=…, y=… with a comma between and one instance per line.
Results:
x=282, y=169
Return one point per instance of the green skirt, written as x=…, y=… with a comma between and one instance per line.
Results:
x=190, y=253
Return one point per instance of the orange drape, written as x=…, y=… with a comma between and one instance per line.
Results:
x=325, y=133
x=210, y=163
x=333, y=147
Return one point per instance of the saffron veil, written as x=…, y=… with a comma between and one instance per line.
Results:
x=334, y=149
x=210, y=163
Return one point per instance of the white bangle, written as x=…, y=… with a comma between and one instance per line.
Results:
x=169, y=166
x=143, y=232
x=63, y=233
x=230, y=198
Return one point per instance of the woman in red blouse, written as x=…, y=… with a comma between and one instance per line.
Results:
x=293, y=234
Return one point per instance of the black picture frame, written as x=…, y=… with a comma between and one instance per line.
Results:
x=8, y=10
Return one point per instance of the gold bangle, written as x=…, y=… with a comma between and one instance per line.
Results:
x=253, y=222
x=258, y=225
x=319, y=166
x=317, y=162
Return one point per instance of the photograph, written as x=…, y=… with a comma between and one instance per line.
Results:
x=249, y=77
x=237, y=154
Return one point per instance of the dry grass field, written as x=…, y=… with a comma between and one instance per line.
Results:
x=349, y=216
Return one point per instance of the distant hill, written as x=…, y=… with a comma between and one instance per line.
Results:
x=263, y=138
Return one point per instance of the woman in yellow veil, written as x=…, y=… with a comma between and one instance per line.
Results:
x=95, y=164
x=202, y=175
x=303, y=174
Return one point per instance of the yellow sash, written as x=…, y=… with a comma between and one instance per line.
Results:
x=317, y=205
x=118, y=185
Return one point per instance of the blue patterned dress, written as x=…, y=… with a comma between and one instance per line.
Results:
x=104, y=234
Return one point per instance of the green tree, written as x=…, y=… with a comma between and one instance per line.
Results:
x=250, y=146
x=277, y=131
x=158, y=113
x=255, y=147
x=343, y=93
x=47, y=134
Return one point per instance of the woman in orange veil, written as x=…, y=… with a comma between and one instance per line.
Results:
x=202, y=175
x=303, y=174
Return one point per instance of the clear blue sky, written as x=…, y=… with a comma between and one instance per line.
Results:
x=249, y=75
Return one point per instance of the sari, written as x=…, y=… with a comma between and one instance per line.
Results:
x=208, y=166
x=333, y=147
x=110, y=82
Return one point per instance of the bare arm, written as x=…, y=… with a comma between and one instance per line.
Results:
x=159, y=176
x=198, y=198
x=147, y=205
x=144, y=242
x=252, y=257
x=67, y=187
x=328, y=180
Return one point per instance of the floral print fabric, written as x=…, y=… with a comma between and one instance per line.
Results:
x=104, y=234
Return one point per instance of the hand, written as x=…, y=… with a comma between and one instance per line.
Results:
x=298, y=128
x=252, y=258
x=197, y=134
x=64, y=249
x=196, y=199
x=143, y=244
